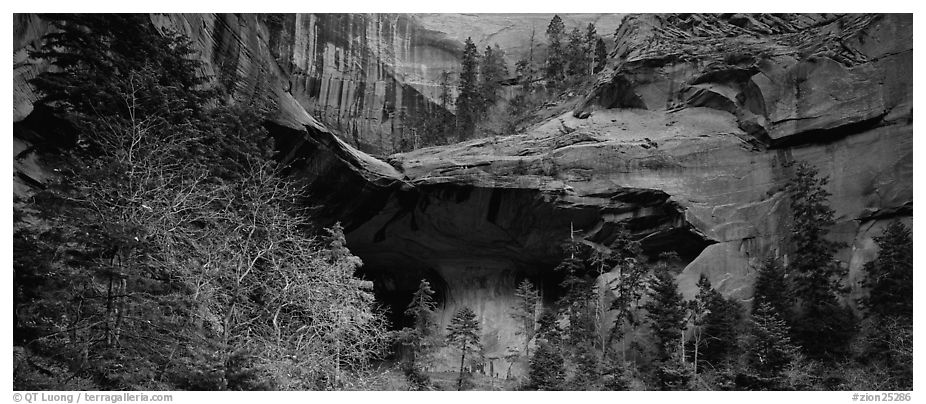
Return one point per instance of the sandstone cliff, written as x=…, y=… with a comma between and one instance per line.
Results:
x=686, y=138
x=360, y=74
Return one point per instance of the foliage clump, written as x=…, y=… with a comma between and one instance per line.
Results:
x=173, y=254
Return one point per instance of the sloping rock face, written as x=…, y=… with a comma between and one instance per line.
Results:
x=687, y=139
x=832, y=90
x=364, y=74
x=236, y=53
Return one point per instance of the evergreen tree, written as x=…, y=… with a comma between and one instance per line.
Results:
x=494, y=70
x=591, y=34
x=547, y=369
x=889, y=305
x=716, y=321
x=436, y=124
x=721, y=330
x=463, y=333
x=579, y=304
x=525, y=312
x=421, y=338
x=548, y=328
x=616, y=373
x=817, y=277
x=577, y=285
x=674, y=373
x=772, y=288
x=627, y=258
x=175, y=252
x=576, y=54
x=524, y=67
x=890, y=276
x=118, y=70
x=587, y=375
x=768, y=349
x=93, y=51
x=556, y=57
x=665, y=311
x=601, y=55
x=469, y=100
x=421, y=309
x=823, y=326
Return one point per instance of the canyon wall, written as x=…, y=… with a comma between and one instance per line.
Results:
x=362, y=75
x=687, y=138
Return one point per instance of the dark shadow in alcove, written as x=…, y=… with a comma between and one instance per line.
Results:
x=394, y=287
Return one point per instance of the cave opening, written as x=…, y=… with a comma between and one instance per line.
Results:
x=545, y=279
x=394, y=288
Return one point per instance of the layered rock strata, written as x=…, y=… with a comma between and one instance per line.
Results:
x=688, y=138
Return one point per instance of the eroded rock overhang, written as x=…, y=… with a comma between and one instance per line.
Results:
x=688, y=147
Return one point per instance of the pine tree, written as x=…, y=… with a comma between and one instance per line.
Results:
x=768, y=349
x=716, y=321
x=92, y=50
x=721, y=330
x=817, y=276
x=579, y=305
x=591, y=34
x=548, y=328
x=525, y=68
x=665, y=311
x=616, y=373
x=525, y=312
x=823, y=326
x=556, y=58
x=890, y=276
x=627, y=258
x=469, y=100
x=422, y=337
x=547, y=369
x=576, y=55
x=463, y=333
x=421, y=309
x=107, y=61
x=175, y=250
x=435, y=125
x=494, y=70
x=889, y=305
x=601, y=55
x=674, y=373
x=578, y=282
x=772, y=288
x=587, y=375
